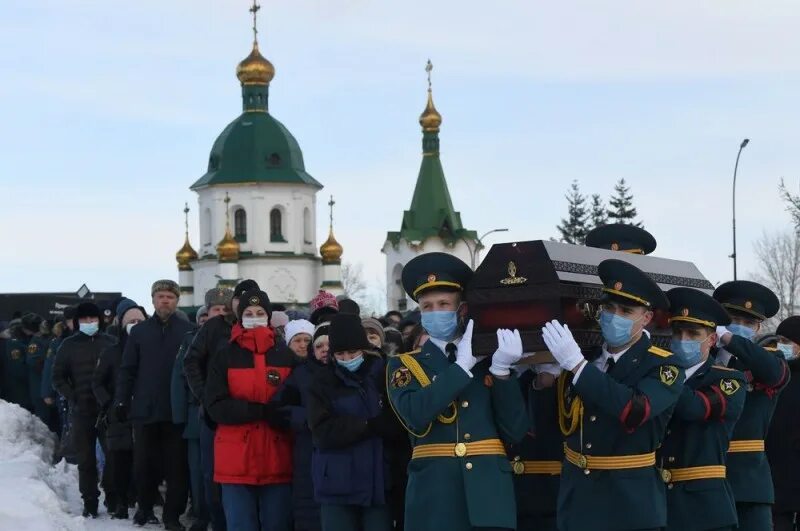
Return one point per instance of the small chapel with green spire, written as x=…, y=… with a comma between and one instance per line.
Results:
x=431, y=223
x=257, y=205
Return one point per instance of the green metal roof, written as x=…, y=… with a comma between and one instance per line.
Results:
x=255, y=147
x=432, y=213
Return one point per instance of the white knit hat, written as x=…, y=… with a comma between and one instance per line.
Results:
x=298, y=326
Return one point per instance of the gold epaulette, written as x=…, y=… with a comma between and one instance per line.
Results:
x=412, y=353
x=723, y=368
x=659, y=352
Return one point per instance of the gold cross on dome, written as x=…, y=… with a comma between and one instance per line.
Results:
x=254, y=10
x=428, y=69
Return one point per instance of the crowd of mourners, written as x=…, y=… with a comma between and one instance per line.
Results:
x=243, y=416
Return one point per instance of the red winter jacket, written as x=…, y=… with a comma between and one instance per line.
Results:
x=241, y=379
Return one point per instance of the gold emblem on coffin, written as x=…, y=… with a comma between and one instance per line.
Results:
x=513, y=279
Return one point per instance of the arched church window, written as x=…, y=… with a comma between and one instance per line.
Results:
x=276, y=226
x=240, y=225
x=308, y=240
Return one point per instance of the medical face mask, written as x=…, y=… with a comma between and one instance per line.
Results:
x=617, y=330
x=254, y=322
x=353, y=364
x=89, y=329
x=441, y=325
x=787, y=351
x=742, y=331
x=688, y=350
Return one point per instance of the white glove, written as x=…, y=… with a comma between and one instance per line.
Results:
x=721, y=331
x=509, y=351
x=562, y=345
x=464, y=357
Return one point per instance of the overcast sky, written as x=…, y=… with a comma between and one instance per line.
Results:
x=109, y=110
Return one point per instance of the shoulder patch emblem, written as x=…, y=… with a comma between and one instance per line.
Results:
x=16, y=354
x=32, y=348
x=668, y=374
x=729, y=386
x=659, y=352
x=400, y=378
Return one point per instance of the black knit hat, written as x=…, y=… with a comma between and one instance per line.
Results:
x=31, y=322
x=349, y=306
x=254, y=297
x=790, y=329
x=244, y=286
x=86, y=309
x=346, y=333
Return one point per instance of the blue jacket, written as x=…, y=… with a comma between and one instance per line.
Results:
x=185, y=407
x=146, y=370
x=349, y=465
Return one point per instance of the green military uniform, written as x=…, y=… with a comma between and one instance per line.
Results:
x=536, y=460
x=693, y=455
x=459, y=477
x=767, y=374
x=15, y=373
x=619, y=406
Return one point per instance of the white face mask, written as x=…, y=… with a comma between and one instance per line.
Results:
x=254, y=322
x=129, y=327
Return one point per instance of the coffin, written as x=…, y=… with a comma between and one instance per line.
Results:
x=525, y=284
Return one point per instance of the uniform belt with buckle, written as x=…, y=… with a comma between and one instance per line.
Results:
x=616, y=462
x=487, y=447
x=693, y=472
x=756, y=445
x=521, y=467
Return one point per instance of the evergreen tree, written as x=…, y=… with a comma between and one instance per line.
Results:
x=597, y=215
x=574, y=229
x=621, y=205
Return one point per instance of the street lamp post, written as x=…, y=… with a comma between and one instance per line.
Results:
x=735, y=169
x=473, y=251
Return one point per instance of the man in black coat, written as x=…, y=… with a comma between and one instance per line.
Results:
x=72, y=378
x=143, y=394
x=783, y=439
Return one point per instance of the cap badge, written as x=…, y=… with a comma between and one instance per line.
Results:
x=254, y=301
x=748, y=305
x=512, y=278
x=618, y=286
x=431, y=278
x=685, y=312
x=615, y=246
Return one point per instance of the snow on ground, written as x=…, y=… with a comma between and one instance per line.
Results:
x=35, y=495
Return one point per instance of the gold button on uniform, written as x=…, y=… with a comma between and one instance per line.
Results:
x=586, y=472
x=460, y=449
x=464, y=404
x=468, y=466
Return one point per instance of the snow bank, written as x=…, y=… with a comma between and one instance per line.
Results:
x=34, y=495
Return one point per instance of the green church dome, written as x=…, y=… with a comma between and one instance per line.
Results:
x=255, y=148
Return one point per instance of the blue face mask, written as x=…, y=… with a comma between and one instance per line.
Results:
x=441, y=325
x=689, y=351
x=787, y=351
x=89, y=329
x=742, y=331
x=353, y=364
x=617, y=330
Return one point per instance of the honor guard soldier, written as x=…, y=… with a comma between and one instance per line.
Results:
x=536, y=460
x=620, y=402
x=692, y=457
x=749, y=304
x=459, y=410
x=621, y=237
x=783, y=440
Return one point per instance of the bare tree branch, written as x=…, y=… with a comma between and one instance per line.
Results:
x=778, y=257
